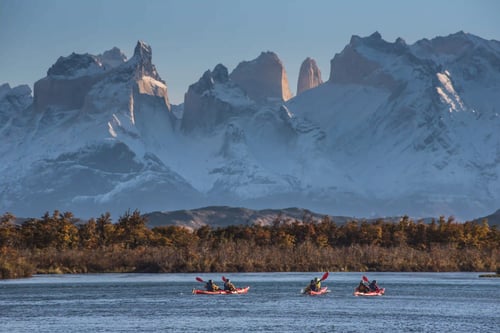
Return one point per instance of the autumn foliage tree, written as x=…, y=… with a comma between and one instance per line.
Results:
x=58, y=242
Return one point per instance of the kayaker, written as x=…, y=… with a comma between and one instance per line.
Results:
x=317, y=283
x=362, y=287
x=229, y=286
x=373, y=286
x=211, y=286
x=309, y=286
x=314, y=285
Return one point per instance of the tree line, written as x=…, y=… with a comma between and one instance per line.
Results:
x=54, y=243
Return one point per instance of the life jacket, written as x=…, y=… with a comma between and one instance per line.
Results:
x=373, y=287
x=212, y=286
x=362, y=288
x=315, y=286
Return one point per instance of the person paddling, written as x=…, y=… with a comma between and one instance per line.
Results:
x=211, y=286
x=309, y=287
x=228, y=285
x=314, y=285
x=373, y=286
x=362, y=287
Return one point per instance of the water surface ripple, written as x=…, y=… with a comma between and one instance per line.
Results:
x=414, y=302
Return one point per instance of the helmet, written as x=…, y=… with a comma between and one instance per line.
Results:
x=210, y=281
x=374, y=281
x=227, y=280
x=316, y=279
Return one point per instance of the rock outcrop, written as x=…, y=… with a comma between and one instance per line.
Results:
x=112, y=58
x=263, y=78
x=15, y=99
x=309, y=76
x=72, y=79
x=143, y=62
x=67, y=82
x=211, y=100
x=352, y=66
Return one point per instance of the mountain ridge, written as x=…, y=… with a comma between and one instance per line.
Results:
x=224, y=216
x=397, y=129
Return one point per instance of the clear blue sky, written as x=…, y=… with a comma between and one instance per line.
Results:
x=191, y=36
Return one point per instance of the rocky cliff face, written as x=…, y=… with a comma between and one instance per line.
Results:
x=355, y=66
x=68, y=81
x=263, y=78
x=14, y=100
x=213, y=100
x=14, y=104
x=112, y=58
x=309, y=76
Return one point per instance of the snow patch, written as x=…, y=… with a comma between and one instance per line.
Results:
x=233, y=95
x=448, y=94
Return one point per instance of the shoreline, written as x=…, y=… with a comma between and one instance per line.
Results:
x=49, y=273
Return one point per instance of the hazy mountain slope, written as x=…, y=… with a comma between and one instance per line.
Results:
x=223, y=216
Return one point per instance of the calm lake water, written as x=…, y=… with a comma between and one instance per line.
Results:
x=414, y=302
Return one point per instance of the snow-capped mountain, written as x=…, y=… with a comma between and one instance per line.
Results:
x=396, y=129
x=408, y=127
x=87, y=142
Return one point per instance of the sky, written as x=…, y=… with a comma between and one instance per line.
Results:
x=189, y=37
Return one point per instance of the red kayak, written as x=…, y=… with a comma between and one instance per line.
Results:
x=322, y=291
x=221, y=292
x=379, y=292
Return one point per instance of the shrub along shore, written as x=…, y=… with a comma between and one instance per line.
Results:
x=54, y=244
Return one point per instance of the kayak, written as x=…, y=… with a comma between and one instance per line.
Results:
x=380, y=292
x=322, y=291
x=221, y=292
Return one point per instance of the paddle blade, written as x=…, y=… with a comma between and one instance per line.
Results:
x=325, y=276
x=365, y=279
x=199, y=279
x=224, y=278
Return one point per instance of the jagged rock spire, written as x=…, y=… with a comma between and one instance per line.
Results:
x=220, y=73
x=143, y=61
x=309, y=76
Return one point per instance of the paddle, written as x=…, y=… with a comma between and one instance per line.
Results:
x=224, y=278
x=368, y=281
x=199, y=279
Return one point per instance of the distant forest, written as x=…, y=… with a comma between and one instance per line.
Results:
x=55, y=244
